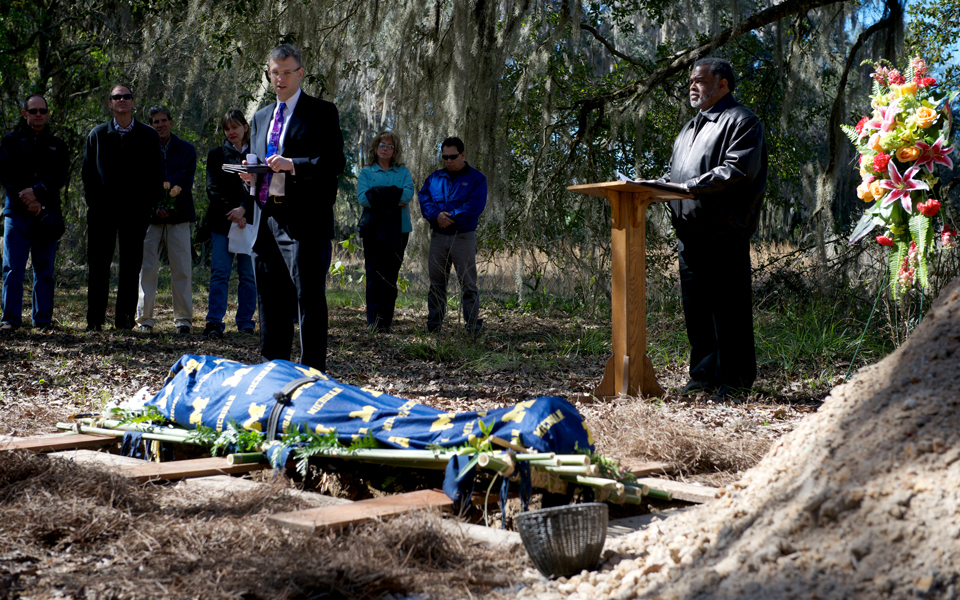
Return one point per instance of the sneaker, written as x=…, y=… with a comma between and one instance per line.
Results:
x=145, y=329
x=46, y=327
x=9, y=327
x=249, y=331
x=212, y=332
x=183, y=330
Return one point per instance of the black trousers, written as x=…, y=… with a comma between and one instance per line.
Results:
x=103, y=231
x=716, y=286
x=291, y=284
x=381, y=261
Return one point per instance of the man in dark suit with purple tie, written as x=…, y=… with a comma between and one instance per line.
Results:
x=299, y=138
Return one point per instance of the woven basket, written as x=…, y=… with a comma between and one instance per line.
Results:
x=565, y=540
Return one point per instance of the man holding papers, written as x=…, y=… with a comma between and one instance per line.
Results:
x=720, y=157
x=299, y=138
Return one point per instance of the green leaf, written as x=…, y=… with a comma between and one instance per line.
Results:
x=851, y=133
x=921, y=230
x=897, y=253
x=864, y=226
x=470, y=465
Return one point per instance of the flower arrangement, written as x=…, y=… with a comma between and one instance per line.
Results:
x=170, y=196
x=900, y=146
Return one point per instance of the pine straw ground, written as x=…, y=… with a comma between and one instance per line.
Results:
x=79, y=532
x=83, y=533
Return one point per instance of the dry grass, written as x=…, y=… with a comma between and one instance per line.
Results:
x=84, y=532
x=641, y=431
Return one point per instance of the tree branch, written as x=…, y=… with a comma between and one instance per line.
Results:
x=685, y=58
x=614, y=51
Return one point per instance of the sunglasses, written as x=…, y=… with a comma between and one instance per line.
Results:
x=40, y=111
x=450, y=156
x=382, y=145
x=122, y=97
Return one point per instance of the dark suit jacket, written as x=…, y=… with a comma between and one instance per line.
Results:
x=314, y=142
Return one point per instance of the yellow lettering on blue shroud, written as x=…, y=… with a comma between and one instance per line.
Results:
x=318, y=405
x=545, y=425
x=443, y=423
x=198, y=405
x=256, y=413
x=364, y=414
x=518, y=412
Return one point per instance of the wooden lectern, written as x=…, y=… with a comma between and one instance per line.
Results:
x=629, y=371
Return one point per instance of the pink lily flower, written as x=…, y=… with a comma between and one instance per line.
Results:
x=900, y=187
x=887, y=117
x=934, y=155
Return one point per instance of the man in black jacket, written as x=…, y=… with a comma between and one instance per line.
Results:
x=720, y=157
x=33, y=168
x=170, y=225
x=299, y=138
x=123, y=182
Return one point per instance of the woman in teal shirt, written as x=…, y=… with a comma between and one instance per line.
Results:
x=384, y=188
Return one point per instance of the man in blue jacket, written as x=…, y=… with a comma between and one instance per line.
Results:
x=33, y=168
x=170, y=224
x=452, y=200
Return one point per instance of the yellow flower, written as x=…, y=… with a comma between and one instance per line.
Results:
x=926, y=117
x=907, y=89
x=877, y=191
x=863, y=192
x=908, y=154
x=166, y=185
x=874, y=143
x=175, y=191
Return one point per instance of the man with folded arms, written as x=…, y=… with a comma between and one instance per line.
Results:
x=299, y=138
x=170, y=225
x=33, y=167
x=720, y=157
x=122, y=182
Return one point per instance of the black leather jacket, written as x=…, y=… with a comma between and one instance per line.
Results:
x=724, y=167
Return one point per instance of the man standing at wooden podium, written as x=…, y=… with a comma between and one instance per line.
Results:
x=720, y=157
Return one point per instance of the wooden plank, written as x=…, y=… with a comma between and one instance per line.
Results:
x=184, y=469
x=645, y=469
x=336, y=517
x=55, y=443
x=104, y=460
x=688, y=492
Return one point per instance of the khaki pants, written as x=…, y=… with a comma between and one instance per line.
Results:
x=177, y=239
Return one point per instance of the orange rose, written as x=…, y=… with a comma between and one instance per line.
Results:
x=877, y=191
x=908, y=154
x=926, y=117
x=863, y=192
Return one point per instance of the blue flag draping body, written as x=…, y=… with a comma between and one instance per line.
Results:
x=212, y=391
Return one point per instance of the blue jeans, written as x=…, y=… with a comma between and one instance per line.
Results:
x=221, y=264
x=18, y=243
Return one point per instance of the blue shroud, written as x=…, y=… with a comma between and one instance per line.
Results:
x=213, y=391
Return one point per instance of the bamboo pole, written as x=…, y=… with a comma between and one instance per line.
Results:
x=503, y=464
x=120, y=433
x=535, y=456
x=244, y=458
x=586, y=471
x=505, y=444
x=574, y=459
x=142, y=427
x=597, y=482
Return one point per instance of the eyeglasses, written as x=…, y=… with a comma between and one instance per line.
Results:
x=450, y=156
x=382, y=145
x=34, y=111
x=122, y=97
x=285, y=74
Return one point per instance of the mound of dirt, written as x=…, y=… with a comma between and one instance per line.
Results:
x=862, y=500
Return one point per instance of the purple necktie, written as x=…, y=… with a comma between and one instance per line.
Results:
x=272, y=148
